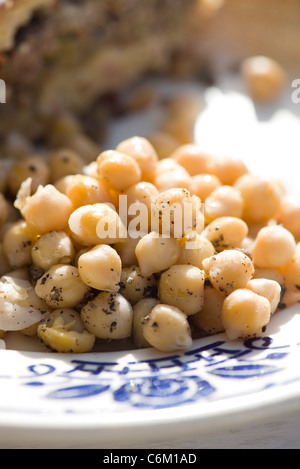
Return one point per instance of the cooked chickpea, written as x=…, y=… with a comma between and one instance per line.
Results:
x=261, y=198
x=100, y=268
x=140, y=311
x=270, y=289
x=229, y=169
x=291, y=271
x=63, y=332
x=175, y=212
x=155, y=253
x=64, y=162
x=226, y=232
x=126, y=250
x=264, y=77
x=245, y=314
x=118, y=170
x=229, y=270
x=167, y=329
x=289, y=215
x=17, y=244
x=182, y=286
x=139, y=199
x=61, y=287
x=143, y=152
x=223, y=201
x=208, y=318
x=273, y=247
x=85, y=190
x=170, y=174
x=47, y=210
x=108, y=316
x=203, y=185
x=54, y=247
x=192, y=159
x=35, y=167
x=134, y=286
x=194, y=250
x=97, y=223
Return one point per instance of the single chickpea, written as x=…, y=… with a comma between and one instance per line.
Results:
x=126, y=250
x=55, y=247
x=155, y=253
x=261, y=197
x=291, y=271
x=289, y=215
x=100, y=268
x=229, y=270
x=175, y=212
x=194, y=250
x=84, y=190
x=229, y=169
x=170, y=174
x=226, y=232
x=47, y=210
x=270, y=289
x=96, y=223
x=35, y=167
x=140, y=311
x=182, y=286
x=143, y=152
x=139, y=199
x=208, y=318
x=167, y=329
x=245, y=314
x=17, y=244
x=273, y=247
x=64, y=162
x=203, y=185
x=63, y=331
x=223, y=201
x=61, y=287
x=108, y=316
x=134, y=286
x=264, y=77
x=192, y=159
x=118, y=170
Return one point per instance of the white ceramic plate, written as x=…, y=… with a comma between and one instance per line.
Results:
x=139, y=398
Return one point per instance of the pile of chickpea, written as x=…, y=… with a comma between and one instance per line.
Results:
x=65, y=285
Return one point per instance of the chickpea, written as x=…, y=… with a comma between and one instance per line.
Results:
x=170, y=174
x=192, y=159
x=182, y=286
x=61, y=287
x=273, y=247
x=140, y=311
x=229, y=169
x=143, y=152
x=35, y=167
x=17, y=244
x=134, y=286
x=261, y=198
x=139, y=199
x=270, y=289
x=245, y=314
x=264, y=77
x=289, y=215
x=203, y=185
x=64, y=162
x=100, y=268
x=118, y=170
x=226, y=232
x=54, y=247
x=47, y=210
x=85, y=190
x=63, y=332
x=126, y=250
x=223, y=201
x=175, y=212
x=291, y=271
x=97, y=223
x=155, y=253
x=229, y=270
x=194, y=250
x=108, y=316
x=167, y=329
x=208, y=318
